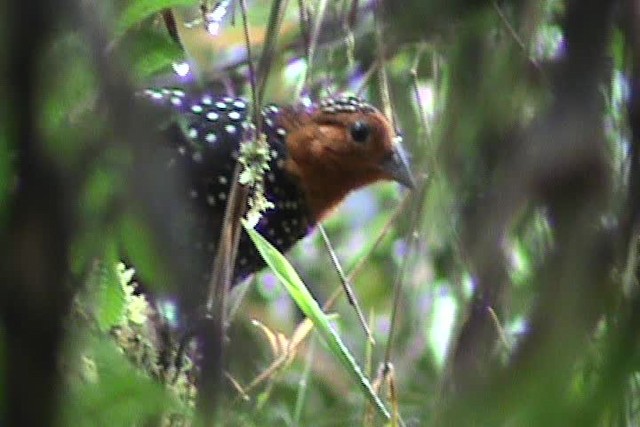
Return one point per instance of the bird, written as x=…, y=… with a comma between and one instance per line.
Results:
x=319, y=153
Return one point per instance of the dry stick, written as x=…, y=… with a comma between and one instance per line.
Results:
x=367, y=76
x=416, y=89
x=382, y=70
x=361, y=263
x=512, y=31
x=353, y=13
x=417, y=214
x=353, y=301
x=268, y=52
x=252, y=72
x=213, y=338
x=304, y=26
x=312, y=46
x=212, y=329
x=501, y=332
x=386, y=102
x=514, y=34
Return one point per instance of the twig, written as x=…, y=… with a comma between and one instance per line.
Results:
x=345, y=284
x=212, y=330
x=418, y=195
x=268, y=52
x=312, y=46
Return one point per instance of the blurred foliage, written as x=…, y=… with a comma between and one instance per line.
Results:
x=466, y=81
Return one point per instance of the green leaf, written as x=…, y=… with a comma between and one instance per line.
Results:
x=152, y=53
x=139, y=10
x=112, y=301
x=68, y=98
x=300, y=294
x=141, y=248
x=117, y=394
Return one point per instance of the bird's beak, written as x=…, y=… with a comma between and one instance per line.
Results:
x=396, y=166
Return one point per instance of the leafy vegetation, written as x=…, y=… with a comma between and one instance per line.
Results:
x=501, y=291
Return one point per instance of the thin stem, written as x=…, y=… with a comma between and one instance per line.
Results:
x=353, y=301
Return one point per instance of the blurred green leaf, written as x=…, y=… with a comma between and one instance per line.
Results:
x=139, y=245
x=111, y=298
x=69, y=91
x=115, y=394
x=300, y=294
x=138, y=10
x=152, y=53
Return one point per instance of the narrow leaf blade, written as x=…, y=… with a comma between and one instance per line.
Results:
x=299, y=292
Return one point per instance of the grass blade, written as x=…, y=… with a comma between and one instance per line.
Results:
x=300, y=294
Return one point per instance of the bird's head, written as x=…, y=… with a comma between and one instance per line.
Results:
x=340, y=145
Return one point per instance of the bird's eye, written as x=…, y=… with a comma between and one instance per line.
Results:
x=360, y=131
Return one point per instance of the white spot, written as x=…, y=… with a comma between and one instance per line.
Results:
x=181, y=68
x=166, y=91
x=176, y=101
x=197, y=157
x=234, y=115
x=207, y=100
x=155, y=95
x=268, y=122
x=239, y=104
x=211, y=201
x=273, y=109
x=222, y=196
x=231, y=129
x=193, y=133
x=227, y=99
x=178, y=92
x=222, y=179
x=210, y=137
x=221, y=105
x=306, y=101
x=193, y=194
x=212, y=115
x=213, y=28
x=196, y=109
x=281, y=132
x=182, y=150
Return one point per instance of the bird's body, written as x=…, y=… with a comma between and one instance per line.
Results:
x=318, y=154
